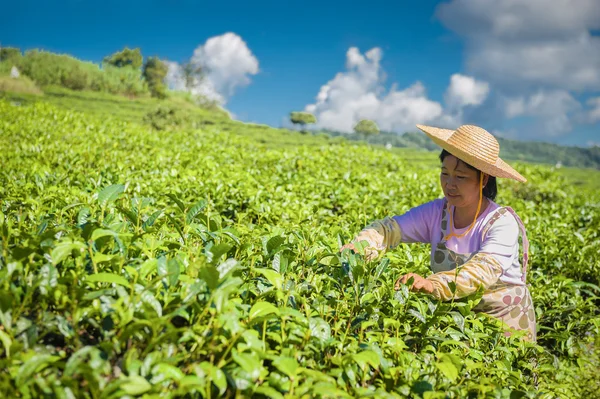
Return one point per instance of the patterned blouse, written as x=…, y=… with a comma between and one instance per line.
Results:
x=493, y=252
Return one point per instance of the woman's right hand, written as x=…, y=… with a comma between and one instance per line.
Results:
x=349, y=246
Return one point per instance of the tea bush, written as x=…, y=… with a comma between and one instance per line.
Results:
x=203, y=263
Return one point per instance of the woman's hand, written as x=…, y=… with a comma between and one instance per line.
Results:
x=349, y=246
x=419, y=283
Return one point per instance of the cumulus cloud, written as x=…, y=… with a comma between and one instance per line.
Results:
x=529, y=43
x=553, y=110
x=465, y=90
x=593, y=114
x=227, y=64
x=359, y=93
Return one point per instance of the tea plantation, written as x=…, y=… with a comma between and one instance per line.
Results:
x=204, y=263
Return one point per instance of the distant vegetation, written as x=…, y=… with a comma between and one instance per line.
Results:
x=534, y=152
x=302, y=119
x=366, y=128
x=124, y=73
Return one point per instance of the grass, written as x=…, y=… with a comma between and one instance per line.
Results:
x=22, y=85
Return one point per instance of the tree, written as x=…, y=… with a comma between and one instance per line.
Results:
x=366, y=127
x=302, y=119
x=155, y=72
x=127, y=57
x=192, y=75
x=7, y=53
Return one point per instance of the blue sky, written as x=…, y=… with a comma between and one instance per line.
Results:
x=298, y=47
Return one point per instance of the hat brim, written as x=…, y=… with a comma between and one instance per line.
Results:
x=497, y=169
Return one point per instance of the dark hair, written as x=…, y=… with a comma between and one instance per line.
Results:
x=490, y=190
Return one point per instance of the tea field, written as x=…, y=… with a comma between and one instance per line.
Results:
x=204, y=263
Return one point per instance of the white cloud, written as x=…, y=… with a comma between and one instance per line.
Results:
x=358, y=93
x=465, y=90
x=227, y=63
x=553, y=110
x=529, y=43
x=593, y=114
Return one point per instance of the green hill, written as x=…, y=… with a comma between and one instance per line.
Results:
x=201, y=260
x=512, y=150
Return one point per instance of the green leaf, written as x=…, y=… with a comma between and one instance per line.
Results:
x=32, y=366
x=83, y=216
x=262, y=309
x=148, y=298
x=108, y=278
x=161, y=267
x=129, y=214
x=195, y=210
x=459, y=320
x=287, y=365
x=447, y=367
x=173, y=268
x=169, y=372
x=319, y=329
x=268, y=392
x=274, y=243
x=210, y=275
x=219, y=250
x=135, y=385
x=280, y=262
x=151, y=220
x=64, y=250
x=248, y=362
x=98, y=233
x=177, y=201
x=227, y=267
x=6, y=342
x=274, y=278
x=110, y=193
x=381, y=267
x=366, y=358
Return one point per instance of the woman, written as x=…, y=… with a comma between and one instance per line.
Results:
x=474, y=241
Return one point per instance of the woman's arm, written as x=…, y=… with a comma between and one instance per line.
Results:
x=482, y=270
x=380, y=236
x=416, y=225
x=499, y=247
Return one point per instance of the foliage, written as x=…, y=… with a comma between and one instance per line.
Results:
x=516, y=150
x=366, y=127
x=48, y=69
x=126, y=58
x=192, y=74
x=302, y=118
x=169, y=117
x=155, y=72
x=203, y=263
x=21, y=84
x=9, y=54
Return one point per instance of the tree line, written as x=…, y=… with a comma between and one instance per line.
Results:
x=364, y=127
x=123, y=72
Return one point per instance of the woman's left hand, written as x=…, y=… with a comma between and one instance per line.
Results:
x=419, y=283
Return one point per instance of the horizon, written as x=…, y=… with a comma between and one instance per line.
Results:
x=519, y=78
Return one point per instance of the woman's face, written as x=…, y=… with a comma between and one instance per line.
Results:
x=459, y=182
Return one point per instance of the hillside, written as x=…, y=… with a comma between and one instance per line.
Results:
x=202, y=260
x=512, y=150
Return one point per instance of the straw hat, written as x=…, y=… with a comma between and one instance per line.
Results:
x=475, y=146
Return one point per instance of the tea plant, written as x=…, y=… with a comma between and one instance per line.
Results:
x=203, y=263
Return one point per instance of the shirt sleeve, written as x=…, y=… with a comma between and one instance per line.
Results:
x=485, y=267
x=416, y=225
x=482, y=270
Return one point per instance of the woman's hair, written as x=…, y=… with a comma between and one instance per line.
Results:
x=490, y=190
